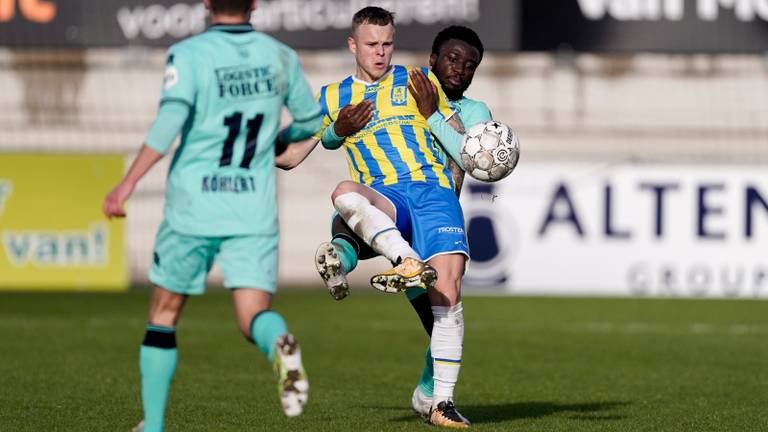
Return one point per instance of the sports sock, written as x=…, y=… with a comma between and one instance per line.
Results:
x=347, y=254
x=373, y=226
x=266, y=327
x=420, y=303
x=427, y=380
x=157, y=362
x=447, y=339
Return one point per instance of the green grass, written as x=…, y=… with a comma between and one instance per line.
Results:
x=68, y=362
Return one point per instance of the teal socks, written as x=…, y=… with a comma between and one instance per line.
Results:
x=266, y=327
x=347, y=254
x=157, y=361
x=427, y=381
x=420, y=302
x=415, y=292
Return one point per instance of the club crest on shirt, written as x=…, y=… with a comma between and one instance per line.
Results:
x=399, y=95
x=171, y=77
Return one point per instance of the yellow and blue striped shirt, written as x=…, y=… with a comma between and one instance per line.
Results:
x=396, y=145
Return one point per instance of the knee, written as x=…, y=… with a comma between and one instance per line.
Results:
x=342, y=188
x=165, y=310
x=448, y=287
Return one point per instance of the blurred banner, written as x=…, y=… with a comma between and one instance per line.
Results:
x=303, y=24
x=620, y=230
x=646, y=25
x=582, y=25
x=54, y=236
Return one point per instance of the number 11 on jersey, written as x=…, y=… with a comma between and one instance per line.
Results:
x=234, y=123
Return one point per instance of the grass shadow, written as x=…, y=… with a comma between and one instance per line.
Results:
x=594, y=411
x=494, y=413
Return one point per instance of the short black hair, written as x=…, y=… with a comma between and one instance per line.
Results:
x=373, y=15
x=461, y=33
x=231, y=6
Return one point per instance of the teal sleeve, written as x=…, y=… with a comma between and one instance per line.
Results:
x=474, y=113
x=471, y=112
x=330, y=140
x=301, y=103
x=168, y=123
x=449, y=139
x=179, y=82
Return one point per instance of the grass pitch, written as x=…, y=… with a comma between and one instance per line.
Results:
x=69, y=362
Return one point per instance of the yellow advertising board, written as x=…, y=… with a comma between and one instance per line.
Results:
x=53, y=235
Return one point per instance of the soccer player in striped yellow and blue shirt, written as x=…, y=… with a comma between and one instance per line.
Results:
x=396, y=145
x=401, y=200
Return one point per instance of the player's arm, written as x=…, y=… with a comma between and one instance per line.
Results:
x=170, y=119
x=176, y=104
x=351, y=119
x=306, y=112
x=115, y=199
x=449, y=132
x=289, y=156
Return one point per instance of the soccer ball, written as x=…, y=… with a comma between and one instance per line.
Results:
x=489, y=151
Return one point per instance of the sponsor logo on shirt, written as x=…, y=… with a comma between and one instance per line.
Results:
x=451, y=230
x=247, y=82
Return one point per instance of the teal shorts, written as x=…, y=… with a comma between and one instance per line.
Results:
x=181, y=262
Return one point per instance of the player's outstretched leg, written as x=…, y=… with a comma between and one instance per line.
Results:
x=269, y=332
x=292, y=384
x=328, y=265
x=410, y=272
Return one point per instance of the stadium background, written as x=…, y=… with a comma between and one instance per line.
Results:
x=644, y=130
x=644, y=126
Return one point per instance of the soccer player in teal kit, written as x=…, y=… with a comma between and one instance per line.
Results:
x=223, y=91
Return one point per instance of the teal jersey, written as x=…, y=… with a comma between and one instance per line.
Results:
x=471, y=112
x=235, y=82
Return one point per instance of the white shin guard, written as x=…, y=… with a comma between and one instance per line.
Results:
x=447, y=340
x=373, y=226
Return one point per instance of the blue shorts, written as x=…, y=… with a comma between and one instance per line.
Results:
x=429, y=217
x=181, y=262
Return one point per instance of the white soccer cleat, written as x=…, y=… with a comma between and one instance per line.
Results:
x=410, y=273
x=421, y=403
x=139, y=427
x=328, y=265
x=292, y=384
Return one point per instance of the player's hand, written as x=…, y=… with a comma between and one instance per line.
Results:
x=424, y=91
x=115, y=200
x=352, y=118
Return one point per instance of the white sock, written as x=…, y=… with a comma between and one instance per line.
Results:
x=373, y=226
x=447, y=340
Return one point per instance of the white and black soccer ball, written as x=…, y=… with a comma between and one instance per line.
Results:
x=489, y=151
